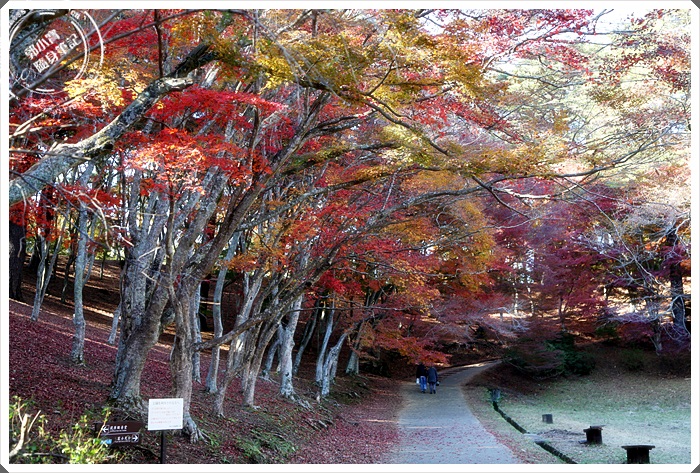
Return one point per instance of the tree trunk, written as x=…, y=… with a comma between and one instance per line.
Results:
x=353, y=366
x=18, y=253
x=330, y=365
x=271, y=352
x=264, y=339
x=141, y=309
x=144, y=294
x=81, y=266
x=562, y=321
x=675, y=275
x=250, y=304
x=43, y=274
x=656, y=336
x=247, y=353
x=115, y=324
x=321, y=359
x=182, y=361
x=308, y=333
x=233, y=368
x=35, y=256
x=238, y=363
x=66, y=274
x=135, y=342
x=42, y=248
x=196, y=335
x=354, y=360
x=77, y=352
x=286, y=348
x=213, y=372
x=236, y=358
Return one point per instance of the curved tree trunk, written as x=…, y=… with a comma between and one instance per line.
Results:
x=41, y=247
x=234, y=363
x=330, y=366
x=35, y=256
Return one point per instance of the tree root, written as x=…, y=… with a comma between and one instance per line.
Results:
x=193, y=432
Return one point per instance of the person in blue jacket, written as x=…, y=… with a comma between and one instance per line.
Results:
x=432, y=379
x=421, y=375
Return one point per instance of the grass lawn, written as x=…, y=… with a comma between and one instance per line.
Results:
x=641, y=407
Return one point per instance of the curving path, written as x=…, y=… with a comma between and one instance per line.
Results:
x=440, y=428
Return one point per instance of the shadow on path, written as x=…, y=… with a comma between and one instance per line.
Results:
x=440, y=428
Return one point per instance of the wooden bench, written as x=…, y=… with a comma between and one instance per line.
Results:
x=638, y=453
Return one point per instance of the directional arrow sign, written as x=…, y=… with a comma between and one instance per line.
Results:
x=119, y=433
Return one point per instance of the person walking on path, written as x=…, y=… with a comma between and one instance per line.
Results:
x=432, y=379
x=421, y=375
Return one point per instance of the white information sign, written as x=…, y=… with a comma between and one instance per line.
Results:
x=165, y=414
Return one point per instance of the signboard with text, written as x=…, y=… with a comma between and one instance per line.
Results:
x=165, y=414
x=119, y=433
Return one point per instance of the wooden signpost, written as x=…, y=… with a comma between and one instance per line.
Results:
x=164, y=414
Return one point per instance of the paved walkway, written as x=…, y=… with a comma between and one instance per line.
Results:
x=440, y=428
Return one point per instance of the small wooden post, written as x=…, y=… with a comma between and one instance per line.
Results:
x=162, y=446
x=638, y=453
x=594, y=434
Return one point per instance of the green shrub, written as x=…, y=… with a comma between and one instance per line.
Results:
x=32, y=443
x=81, y=446
x=535, y=360
x=676, y=364
x=575, y=362
x=541, y=359
x=252, y=450
x=578, y=363
x=632, y=359
x=28, y=439
x=265, y=447
x=608, y=333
